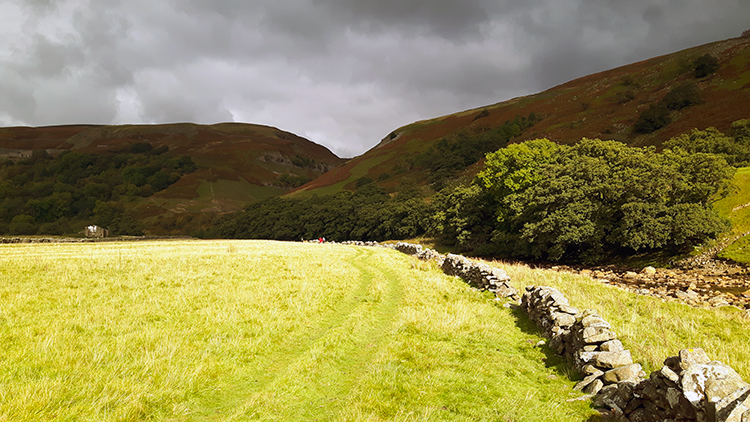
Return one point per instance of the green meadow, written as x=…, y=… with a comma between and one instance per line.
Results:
x=258, y=330
x=736, y=207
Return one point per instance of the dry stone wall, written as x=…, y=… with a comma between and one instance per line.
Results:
x=14, y=240
x=481, y=276
x=478, y=275
x=581, y=336
x=689, y=387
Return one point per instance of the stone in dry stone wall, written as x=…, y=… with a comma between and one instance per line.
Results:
x=431, y=255
x=408, y=248
x=425, y=254
x=689, y=387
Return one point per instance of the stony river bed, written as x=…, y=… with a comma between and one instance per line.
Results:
x=728, y=286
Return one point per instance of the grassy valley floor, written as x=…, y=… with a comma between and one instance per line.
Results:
x=256, y=330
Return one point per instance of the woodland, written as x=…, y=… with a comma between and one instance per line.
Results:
x=537, y=199
x=45, y=194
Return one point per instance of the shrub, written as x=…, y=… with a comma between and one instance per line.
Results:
x=140, y=147
x=625, y=96
x=656, y=117
x=362, y=181
x=484, y=113
x=705, y=65
x=683, y=95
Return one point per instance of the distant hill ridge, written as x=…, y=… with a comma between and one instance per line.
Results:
x=238, y=163
x=603, y=105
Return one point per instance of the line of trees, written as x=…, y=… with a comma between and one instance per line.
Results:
x=368, y=213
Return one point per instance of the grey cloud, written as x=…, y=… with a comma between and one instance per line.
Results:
x=654, y=15
x=65, y=102
x=345, y=72
x=449, y=19
x=39, y=6
x=49, y=59
x=16, y=100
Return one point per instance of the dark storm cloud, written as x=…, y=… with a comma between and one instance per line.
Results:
x=450, y=20
x=342, y=72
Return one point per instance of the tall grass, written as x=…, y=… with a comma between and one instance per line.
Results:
x=651, y=328
x=252, y=330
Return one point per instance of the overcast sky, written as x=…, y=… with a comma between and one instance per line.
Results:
x=342, y=73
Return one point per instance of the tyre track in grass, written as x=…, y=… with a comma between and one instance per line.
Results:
x=310, y=377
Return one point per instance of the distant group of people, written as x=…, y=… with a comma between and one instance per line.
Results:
x=319, y=240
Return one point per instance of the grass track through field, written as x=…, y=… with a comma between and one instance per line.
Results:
x=327, y=360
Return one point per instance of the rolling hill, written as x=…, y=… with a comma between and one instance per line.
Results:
x=236, y=163
x=604, y=105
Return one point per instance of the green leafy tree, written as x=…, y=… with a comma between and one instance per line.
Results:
x=682, y=96
x=98, y=191
x=735, y=150
x=457, y=214
x=654, y=118
x=51, y=208
x=516, y=167
x=590, y=200
x=119, y=221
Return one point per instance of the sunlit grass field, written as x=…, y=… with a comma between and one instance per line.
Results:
x=736, y=207
x=255, y=330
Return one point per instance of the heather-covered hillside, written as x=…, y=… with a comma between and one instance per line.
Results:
x=136, y=169
x=644, y=103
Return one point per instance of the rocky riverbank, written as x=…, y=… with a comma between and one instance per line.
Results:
x=701, y=287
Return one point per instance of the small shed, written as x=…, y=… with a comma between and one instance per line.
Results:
x=95, y=231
